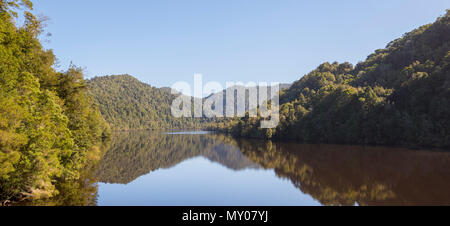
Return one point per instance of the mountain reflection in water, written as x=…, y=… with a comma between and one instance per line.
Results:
x=328, y=174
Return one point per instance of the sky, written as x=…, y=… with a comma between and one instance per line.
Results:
x=205, y=183
x=163, y=42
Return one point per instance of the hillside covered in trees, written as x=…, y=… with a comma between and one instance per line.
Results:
x=128, y=104
x=49, y=127
x=399, y=96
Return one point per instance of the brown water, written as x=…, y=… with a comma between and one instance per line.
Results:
x=212, y=169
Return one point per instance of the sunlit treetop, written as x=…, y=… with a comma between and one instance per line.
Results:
x=10, y=5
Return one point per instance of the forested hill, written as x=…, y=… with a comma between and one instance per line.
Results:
x=128, y=104
x=399, y=96
x=49, y=126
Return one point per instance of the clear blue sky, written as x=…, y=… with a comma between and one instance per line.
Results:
x=162, y=42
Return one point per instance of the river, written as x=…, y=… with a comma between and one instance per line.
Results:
x=200, y=168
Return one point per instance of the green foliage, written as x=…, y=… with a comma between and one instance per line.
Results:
x=8, y=6
x=48, y=124
x=128, y=104
x=398, y=96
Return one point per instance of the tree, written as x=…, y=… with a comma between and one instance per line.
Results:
x=398, y=96
x=48, y=123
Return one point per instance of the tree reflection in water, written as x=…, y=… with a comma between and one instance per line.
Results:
x=331, y=174
x=349, y=175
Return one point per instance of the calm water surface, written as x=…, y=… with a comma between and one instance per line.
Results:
x=199, y=168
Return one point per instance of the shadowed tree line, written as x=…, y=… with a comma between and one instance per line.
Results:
x=398, y=96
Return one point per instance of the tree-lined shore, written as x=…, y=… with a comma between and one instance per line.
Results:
x=55, y=124
x=50, y=128
x=399, y=95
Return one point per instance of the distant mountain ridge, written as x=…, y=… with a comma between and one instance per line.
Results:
x=243, y=97
x=129, y=104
